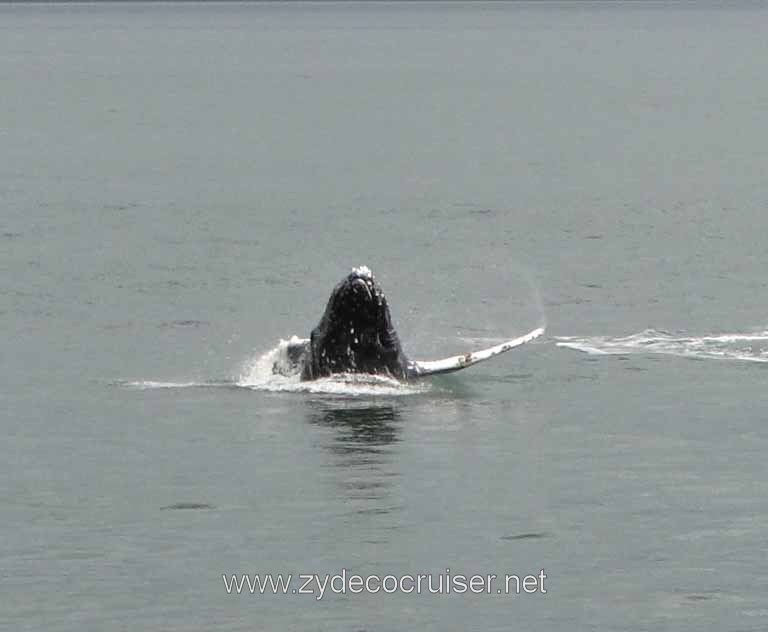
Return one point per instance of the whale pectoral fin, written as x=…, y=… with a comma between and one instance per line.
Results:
x=296, y=351
x=293, y=357
x=424, y=368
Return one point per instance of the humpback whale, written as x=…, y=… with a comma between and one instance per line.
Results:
x=356, y=335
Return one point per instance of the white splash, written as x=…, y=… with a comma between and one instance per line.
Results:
x=749, y=347
x=271, y=372
x=363, y=271
x=144, y=385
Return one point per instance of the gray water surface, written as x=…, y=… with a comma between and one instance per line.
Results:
x=182, y=185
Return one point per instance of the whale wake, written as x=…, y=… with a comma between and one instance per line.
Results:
x=272, y=371
x=747, y=347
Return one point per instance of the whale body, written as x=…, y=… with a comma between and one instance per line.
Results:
x=356, y=335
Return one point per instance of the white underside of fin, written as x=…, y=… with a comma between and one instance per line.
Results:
x=421, y=368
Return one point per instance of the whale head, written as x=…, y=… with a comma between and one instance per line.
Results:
x=355, y=333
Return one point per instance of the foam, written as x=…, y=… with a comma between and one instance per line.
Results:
x=747, y=347
x=258, y=374
x=151, y=384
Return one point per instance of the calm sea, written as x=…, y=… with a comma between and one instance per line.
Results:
x=181, y=185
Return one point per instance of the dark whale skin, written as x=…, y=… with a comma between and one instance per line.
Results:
x=355, y=333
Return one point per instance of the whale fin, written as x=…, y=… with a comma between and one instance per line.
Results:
x=423, y=368
x=291, y=356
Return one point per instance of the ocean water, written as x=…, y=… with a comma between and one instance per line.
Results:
x=181, y=185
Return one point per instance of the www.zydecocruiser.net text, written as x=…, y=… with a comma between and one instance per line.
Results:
x=344, y=583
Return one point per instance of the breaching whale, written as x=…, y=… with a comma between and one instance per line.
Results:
x=356, y=335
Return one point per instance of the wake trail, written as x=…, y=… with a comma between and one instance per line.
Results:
x=746, y=347
x=259, y=374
